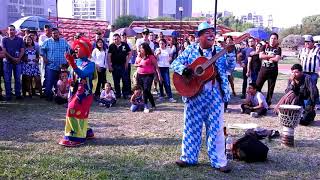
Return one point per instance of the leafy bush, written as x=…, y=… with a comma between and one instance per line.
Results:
x=292, y=41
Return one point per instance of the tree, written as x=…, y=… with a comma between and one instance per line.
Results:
x=194, y=18
x=125, y=21
x=234, y=23
x=164, y=18
x=311, y=25
x=292, y=41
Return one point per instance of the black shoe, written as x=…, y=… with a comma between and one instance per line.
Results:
x=181, y=163
x=2, y=98
x=19, y=98
x=225, y=169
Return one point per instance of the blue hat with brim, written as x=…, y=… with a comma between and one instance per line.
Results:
x=204, y=26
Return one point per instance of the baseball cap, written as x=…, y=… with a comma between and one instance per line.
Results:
x=145, y=31
x=221, y=39
x=308, y=38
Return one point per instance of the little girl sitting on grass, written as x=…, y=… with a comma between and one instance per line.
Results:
x=107, y=96
x=136, y=99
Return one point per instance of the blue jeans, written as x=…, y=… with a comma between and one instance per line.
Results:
x=52, y=77
x=135, y=108
x=7, y=69
x=164, y=71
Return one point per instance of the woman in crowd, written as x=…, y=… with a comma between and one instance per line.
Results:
x=146, y=64
x=30, y=67
x=164, y=60
x=254, y=63
x=99, y=57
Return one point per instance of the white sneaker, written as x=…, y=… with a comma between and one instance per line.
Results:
x=146, y=110
x=101, y=104
x=254, y=114
x=172, y=100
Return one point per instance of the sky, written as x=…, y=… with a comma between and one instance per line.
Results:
x=285, y=13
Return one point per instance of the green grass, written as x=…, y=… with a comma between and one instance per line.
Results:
x=137, y=145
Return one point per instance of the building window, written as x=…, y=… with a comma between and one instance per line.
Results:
x=14, y=1
x=12, y=9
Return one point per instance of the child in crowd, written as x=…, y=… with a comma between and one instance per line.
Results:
x=136, y=99
x=30, y=68
x=255, y=102
x=62, y=88
x=107, y=96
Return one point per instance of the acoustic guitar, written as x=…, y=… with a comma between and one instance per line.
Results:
x=203, y=71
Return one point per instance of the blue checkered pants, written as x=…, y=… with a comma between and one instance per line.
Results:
x=207, y=108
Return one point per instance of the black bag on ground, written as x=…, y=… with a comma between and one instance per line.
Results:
x=308, y=117
x=250, y=149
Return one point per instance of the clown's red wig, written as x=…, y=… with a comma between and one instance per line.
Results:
x=84, y=45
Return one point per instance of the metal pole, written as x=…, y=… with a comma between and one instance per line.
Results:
x=57, y=14
x=215, y=16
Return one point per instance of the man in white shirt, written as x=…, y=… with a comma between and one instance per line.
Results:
x=145, y=38
x=255, y=101
x=42, y=38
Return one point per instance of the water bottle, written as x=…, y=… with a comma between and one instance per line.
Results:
x=229, y=144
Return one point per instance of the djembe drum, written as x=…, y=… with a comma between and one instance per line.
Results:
x=289, y=116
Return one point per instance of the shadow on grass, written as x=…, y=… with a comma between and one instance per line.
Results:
x=133, y=141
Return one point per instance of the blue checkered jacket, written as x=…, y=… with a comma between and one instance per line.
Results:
x=191, y=53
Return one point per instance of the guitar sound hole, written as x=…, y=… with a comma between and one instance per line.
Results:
x=199, y=70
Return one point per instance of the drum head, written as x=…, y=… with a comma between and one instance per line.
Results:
x=288, y=106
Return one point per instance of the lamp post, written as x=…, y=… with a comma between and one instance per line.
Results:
x=149, y=18
x=215, y=16
x=49, y=13
x=57, y=14
x=181, y=10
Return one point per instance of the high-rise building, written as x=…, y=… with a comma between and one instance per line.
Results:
x=12, y=10
x=256, y=20
x=109, y=10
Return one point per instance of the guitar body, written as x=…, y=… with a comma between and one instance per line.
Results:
x=190, y=87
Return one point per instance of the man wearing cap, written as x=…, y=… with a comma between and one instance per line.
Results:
x=145, y=38
x=310, y=58
x=207, y=106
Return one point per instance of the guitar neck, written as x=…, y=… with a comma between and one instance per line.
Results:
x=214, y=58
x=224, y=50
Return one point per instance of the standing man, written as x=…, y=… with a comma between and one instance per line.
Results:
x=207, y=106
x=118, y=56
x=43, y=37
x=310, y=58
x=145, y=38
x=243, y=55
x=269, y=70
x=13, y=48
x=133, y=53
x=52, y=52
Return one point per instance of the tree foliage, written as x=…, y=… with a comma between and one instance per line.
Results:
x=310, y=25
x=164, y=18
x=292, y=41
x=234, y=23
x=126, y=20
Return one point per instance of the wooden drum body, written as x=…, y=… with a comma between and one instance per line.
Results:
x=289, y=116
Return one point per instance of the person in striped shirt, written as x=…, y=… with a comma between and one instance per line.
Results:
x=310, y=58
